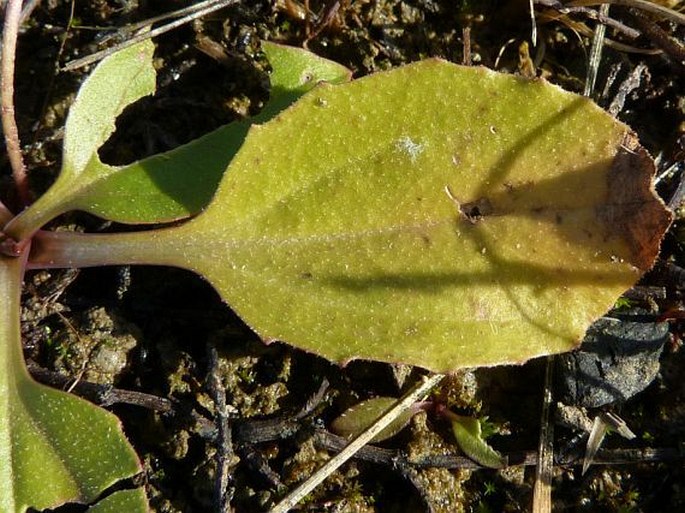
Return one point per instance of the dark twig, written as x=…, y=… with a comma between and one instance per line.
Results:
x=267, y=430
x=259, y=467
x=646, y=293
x=225, y=457
x=643, y=5
x=325, y=440
x=661, y=39
x=542, y=492
x=102, y=395
x=9, y=123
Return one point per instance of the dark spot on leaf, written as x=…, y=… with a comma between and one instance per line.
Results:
x=476, y=210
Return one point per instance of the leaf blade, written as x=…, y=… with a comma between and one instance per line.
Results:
x=359, y=235
x=57, y=448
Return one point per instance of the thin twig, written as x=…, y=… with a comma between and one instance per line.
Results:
x=595, y=53
x=225, y=456
x=581, y=28
x=9, y=123
x=542, y=493
x=466, y=50
x=605, y=20
x=415, y=394
x=529, y=458
x=533, y=24
x=671, y=46
x=644, y=5
x=29, y=6
x=212, y=6
x=103, y=395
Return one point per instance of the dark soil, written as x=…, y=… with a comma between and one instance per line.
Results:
x=153, y=330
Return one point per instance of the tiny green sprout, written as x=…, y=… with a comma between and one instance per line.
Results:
x=623, y=303
x=490, y=488
x=648, y=437
x=487, y=428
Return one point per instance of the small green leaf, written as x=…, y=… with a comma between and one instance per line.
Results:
x=55, y=447
x=435, y=215
x=360, y=416
x=467, y=431
x=116, y=82
x=170, y=185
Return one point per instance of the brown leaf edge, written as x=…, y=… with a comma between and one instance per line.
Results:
x=633, y=209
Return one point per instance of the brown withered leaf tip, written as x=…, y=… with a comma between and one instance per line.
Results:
x=633, y=208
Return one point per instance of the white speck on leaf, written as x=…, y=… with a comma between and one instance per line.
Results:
x=411, y=148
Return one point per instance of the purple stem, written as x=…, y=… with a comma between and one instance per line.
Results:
x=9, y=124
x=53, y=250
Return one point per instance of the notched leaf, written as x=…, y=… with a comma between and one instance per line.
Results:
x=168, y=186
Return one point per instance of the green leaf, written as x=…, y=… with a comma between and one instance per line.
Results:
x=435, y=215
x=116, y=82
x=170, y=185
x=356, y=419
x=467, y=431
x=55, y=447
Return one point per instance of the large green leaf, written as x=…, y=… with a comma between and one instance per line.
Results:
x=170, y=185
x=54, y=447
x=436, y=215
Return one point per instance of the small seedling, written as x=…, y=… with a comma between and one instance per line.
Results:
x=328, y=227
